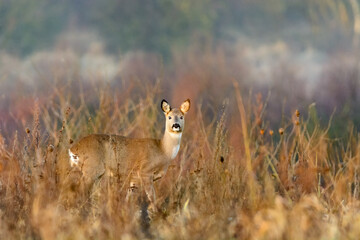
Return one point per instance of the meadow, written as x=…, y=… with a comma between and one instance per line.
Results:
x=250, y=166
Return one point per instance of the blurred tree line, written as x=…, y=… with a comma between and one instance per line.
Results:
x=162, y=25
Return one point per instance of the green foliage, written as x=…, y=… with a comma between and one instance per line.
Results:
x=161, y=25
x=27, y=25
x=154, y=25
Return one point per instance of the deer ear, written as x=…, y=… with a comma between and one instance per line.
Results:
x=185, y=106
x=165, y=106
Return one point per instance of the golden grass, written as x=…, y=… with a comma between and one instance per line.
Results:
x=234, y=178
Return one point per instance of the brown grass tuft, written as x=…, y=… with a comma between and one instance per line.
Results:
x=231, y=180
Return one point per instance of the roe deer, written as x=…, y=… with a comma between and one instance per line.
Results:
x=139, y=161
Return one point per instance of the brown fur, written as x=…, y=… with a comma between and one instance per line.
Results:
x=136, y=162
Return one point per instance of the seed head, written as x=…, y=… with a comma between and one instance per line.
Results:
x=68, y=109
x=71, y=141
x=27, y=130
x=297, y=113
x=297, y=123
x=271, y=132
x=281, y=131
x=50, y=148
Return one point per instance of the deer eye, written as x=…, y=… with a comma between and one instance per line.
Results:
x=181, y=117
x=169, y=118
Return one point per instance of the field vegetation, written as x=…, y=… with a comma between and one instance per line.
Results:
x=271, y=148
x=256, y=161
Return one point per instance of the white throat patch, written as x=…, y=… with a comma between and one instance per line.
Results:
x=175, y=151
x=175, y=135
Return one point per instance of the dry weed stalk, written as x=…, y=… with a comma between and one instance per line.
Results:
x=294, y=184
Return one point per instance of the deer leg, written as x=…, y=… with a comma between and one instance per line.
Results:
x=147, y=191
x=150, y=192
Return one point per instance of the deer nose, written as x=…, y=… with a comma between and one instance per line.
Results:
x=176, y=125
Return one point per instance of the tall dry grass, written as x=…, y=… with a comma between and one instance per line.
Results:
x=236, y=176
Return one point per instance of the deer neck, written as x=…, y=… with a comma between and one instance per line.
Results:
x=170, y=144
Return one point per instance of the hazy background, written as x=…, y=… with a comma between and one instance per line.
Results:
x=69, y=68
x=295, y=52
